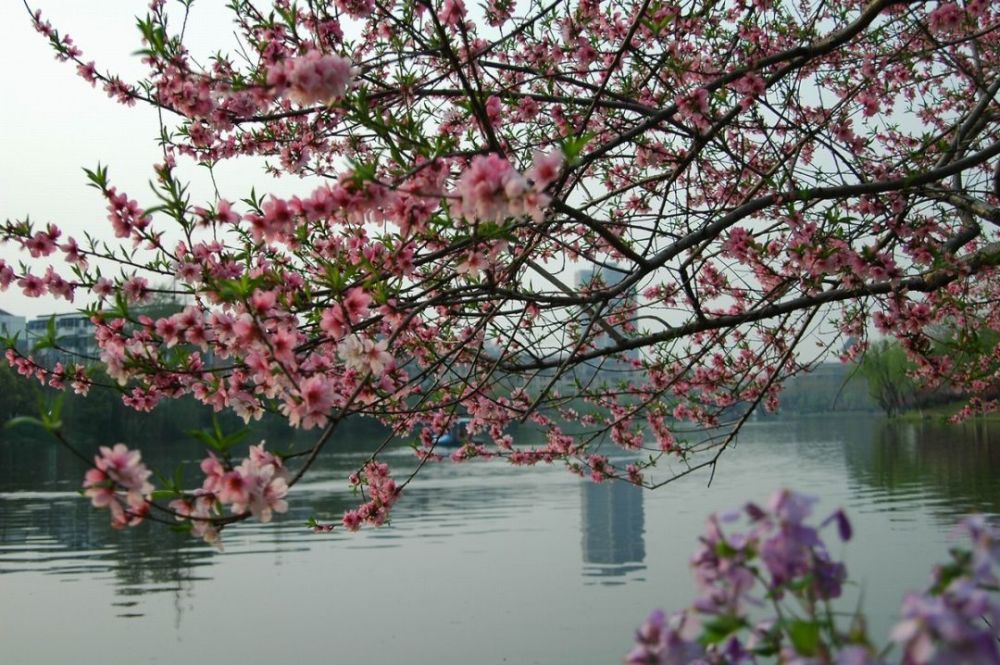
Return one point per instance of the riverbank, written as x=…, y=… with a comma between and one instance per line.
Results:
x=942, y=413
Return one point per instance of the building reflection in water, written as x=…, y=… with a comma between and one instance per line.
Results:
x=612, y=530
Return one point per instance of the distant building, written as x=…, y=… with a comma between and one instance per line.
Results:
x=11, y=326
x=74, y=334
x=620, y=367
x=613, y=528
x=610, y=275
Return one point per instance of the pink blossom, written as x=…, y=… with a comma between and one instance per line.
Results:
x=452, y=12
x=88, y=72
x=258, y=485
x=125, y=468
x=490, y=189
x=40, y=244
x=103, y=287
x=6, y=275
x=317, y=401
x=545, y=168
x=58, y=286
x=313, y=78
x=356, y=8
x=201, y=509
x=99, y=488
x=378, y=358
x=946, y=18
x=334, y=322
x=125, y=214
x=472, y=264
x=136, y=289
x=214, y=474
x=73, y=254
x=364, y=355
x=356, y=304
x=31, y=285
x=282, y=343
x=225, y=213
x=352, y=520
x=115, y=469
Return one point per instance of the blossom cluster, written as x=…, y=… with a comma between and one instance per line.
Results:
x=313, y=78
x=257, y=487
x=782, y=558
x=382, y=494
x=724, y=175
x=492, y=190
x=116, y=470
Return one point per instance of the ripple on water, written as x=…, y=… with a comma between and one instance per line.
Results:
x=500, y=551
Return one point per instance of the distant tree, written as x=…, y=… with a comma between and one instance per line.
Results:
x=18, y=396
x=886, y=367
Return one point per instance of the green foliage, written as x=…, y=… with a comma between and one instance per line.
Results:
x=805, y=636
x=98, y=177
x=100, y=418
x=18, y=396
x=572, y=146
x=717, y=630
x=238, y=290
x=216, y=439
x=828, y=387
x=886, y=369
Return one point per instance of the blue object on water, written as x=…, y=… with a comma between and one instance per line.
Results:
x=447, y=439
x=457, y=434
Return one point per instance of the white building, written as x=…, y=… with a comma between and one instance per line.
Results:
x=74, y=336
x=11, y=325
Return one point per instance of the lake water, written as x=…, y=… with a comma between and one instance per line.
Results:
x=482, y=564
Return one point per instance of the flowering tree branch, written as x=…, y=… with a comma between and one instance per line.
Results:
x=617, y=221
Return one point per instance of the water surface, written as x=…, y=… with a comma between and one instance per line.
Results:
x=483, y=563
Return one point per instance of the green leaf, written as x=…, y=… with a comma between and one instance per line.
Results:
x=572, y=146
x=98, y=177
x=720, y=628
x=50, y=413
x=363, y=172
x=805, y=637
x=23, y=420
x=163, y=495
x=216, y=438
x=236, y=290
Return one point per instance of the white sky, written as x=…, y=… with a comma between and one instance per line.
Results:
x=53, y=124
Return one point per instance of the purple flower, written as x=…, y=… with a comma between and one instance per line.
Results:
x=788, y=506
x=856, y=655
x=844, y=529
x=720, y=569
x=985, y=548
x=662, y=641
x=950, y=628
x=788, y=553
x=828, y=577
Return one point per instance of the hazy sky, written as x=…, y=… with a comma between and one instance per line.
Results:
x=54, y=124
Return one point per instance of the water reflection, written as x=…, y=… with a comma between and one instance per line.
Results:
x=612, y=526
x=60, y=535
x=950, y=469
x=478, y=551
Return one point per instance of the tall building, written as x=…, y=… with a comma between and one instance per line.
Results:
x=11, y=325
x=613, y=527
x=610, y=275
